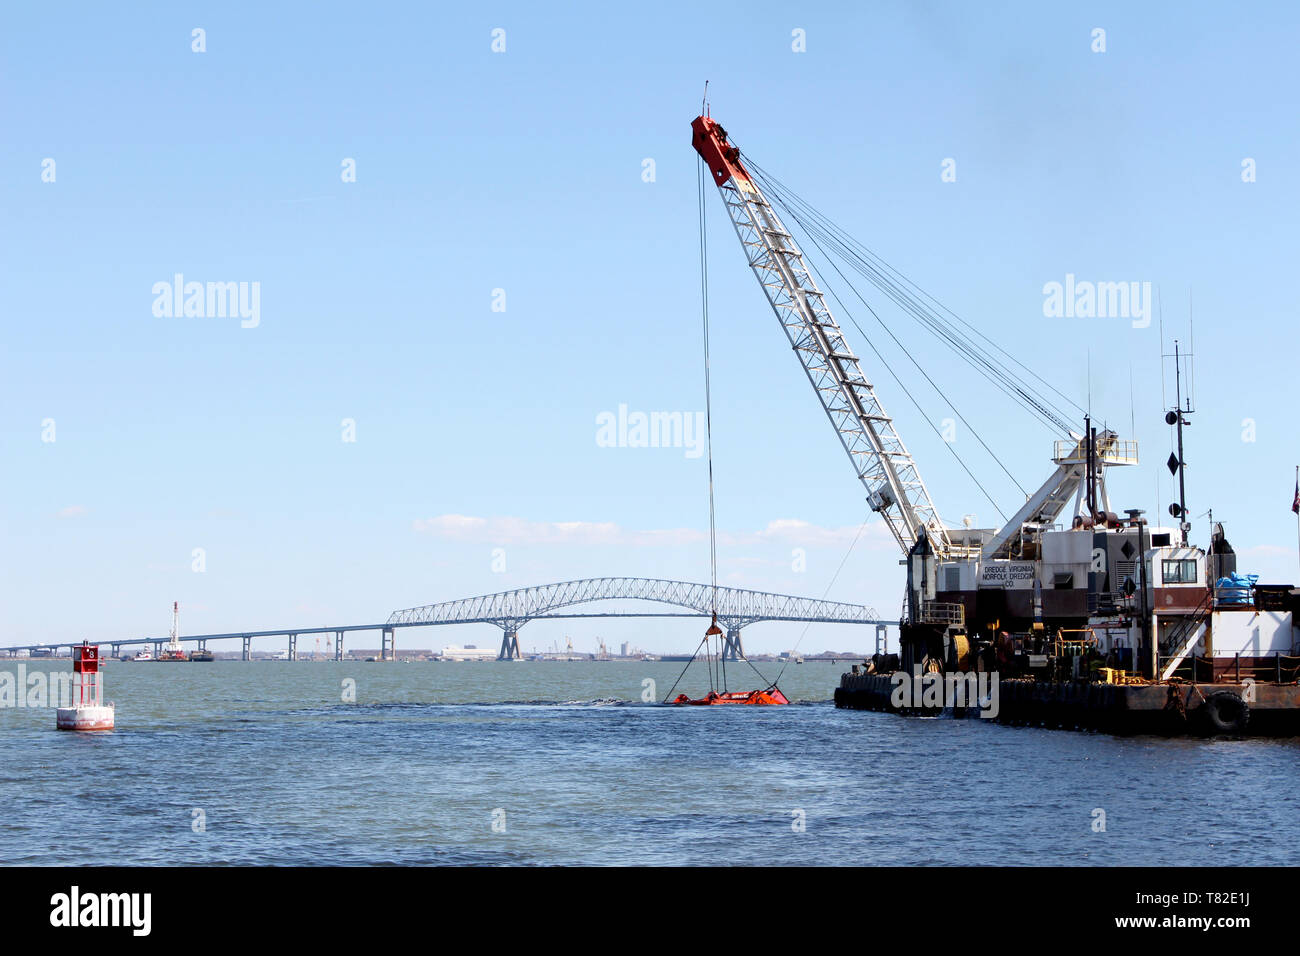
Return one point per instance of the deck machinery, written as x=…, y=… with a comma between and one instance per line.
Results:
x=1052, y=595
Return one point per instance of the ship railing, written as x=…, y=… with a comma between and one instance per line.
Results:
x=943, y=612
x=1280, y=668
x=1235, y=597
x=1116, y=452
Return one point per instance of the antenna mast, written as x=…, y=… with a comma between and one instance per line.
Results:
x=1177, y=465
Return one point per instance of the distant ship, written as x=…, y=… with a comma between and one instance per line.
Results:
x=467, y=653
x=202, y=654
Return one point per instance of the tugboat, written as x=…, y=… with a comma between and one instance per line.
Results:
x=173, y=651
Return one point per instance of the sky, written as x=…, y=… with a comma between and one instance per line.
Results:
x=474, y=232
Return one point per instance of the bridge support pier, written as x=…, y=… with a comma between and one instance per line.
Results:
x=293, y=647
x=882, y=638
x=117, y=651
x=338, y=645
x=731, y=650
x=386, y=649
x=247, y=655
x=509, y=647
x=157, y=649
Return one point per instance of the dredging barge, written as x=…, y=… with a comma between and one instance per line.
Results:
x=1074, y=618
x=1189, y=647
x=1109, y=625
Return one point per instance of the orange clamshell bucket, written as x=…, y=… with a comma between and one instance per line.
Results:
x=754, y=698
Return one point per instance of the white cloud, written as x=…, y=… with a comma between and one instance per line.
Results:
x=73, y=511
x=803, y=534
x=451, y=526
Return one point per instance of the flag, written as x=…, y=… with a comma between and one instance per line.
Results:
x=1295, y=502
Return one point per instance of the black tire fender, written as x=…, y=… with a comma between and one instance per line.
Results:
x=1227, y=713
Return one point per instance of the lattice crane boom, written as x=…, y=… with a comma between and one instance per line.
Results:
x=880, y=459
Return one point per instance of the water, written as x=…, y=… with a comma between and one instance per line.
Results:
x=285, y=772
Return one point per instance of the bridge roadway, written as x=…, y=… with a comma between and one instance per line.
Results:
x=510, y=610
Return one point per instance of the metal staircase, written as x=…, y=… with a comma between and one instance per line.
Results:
x=1188, y=633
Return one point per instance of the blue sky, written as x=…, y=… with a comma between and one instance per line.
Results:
x=522, y=171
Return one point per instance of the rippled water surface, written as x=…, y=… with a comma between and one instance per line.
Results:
x=286, y=772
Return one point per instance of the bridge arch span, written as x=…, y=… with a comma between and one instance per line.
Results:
x=736, y=607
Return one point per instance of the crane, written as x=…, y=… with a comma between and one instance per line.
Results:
x=868, y=434
x=882, y=462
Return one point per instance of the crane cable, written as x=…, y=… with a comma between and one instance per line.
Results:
x=708, y=406
x=708, y=430
x=898, y=287
x=834, y=577
x=892, y=282
x=908, y=392
x=917, y=405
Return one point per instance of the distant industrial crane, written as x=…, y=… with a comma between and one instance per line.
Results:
x=173, y=651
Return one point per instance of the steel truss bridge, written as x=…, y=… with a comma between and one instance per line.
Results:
x=510, y=610
x=737, y=608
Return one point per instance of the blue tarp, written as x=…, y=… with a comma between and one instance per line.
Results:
x=1235, y=588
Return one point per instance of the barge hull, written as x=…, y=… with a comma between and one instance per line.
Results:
x=1173, y=709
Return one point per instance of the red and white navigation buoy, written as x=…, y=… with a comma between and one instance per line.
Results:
x=89, y=712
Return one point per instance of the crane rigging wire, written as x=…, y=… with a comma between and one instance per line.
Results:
x=897, y=287
x=708, y=406
x=926, y=375
x=970, y=351
x=897, y=378
x=988, y=367
x=998, y=378
x=834, y=577
x=892, y=282
x=912, y=398
x=801, y=213
x=713, y=630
